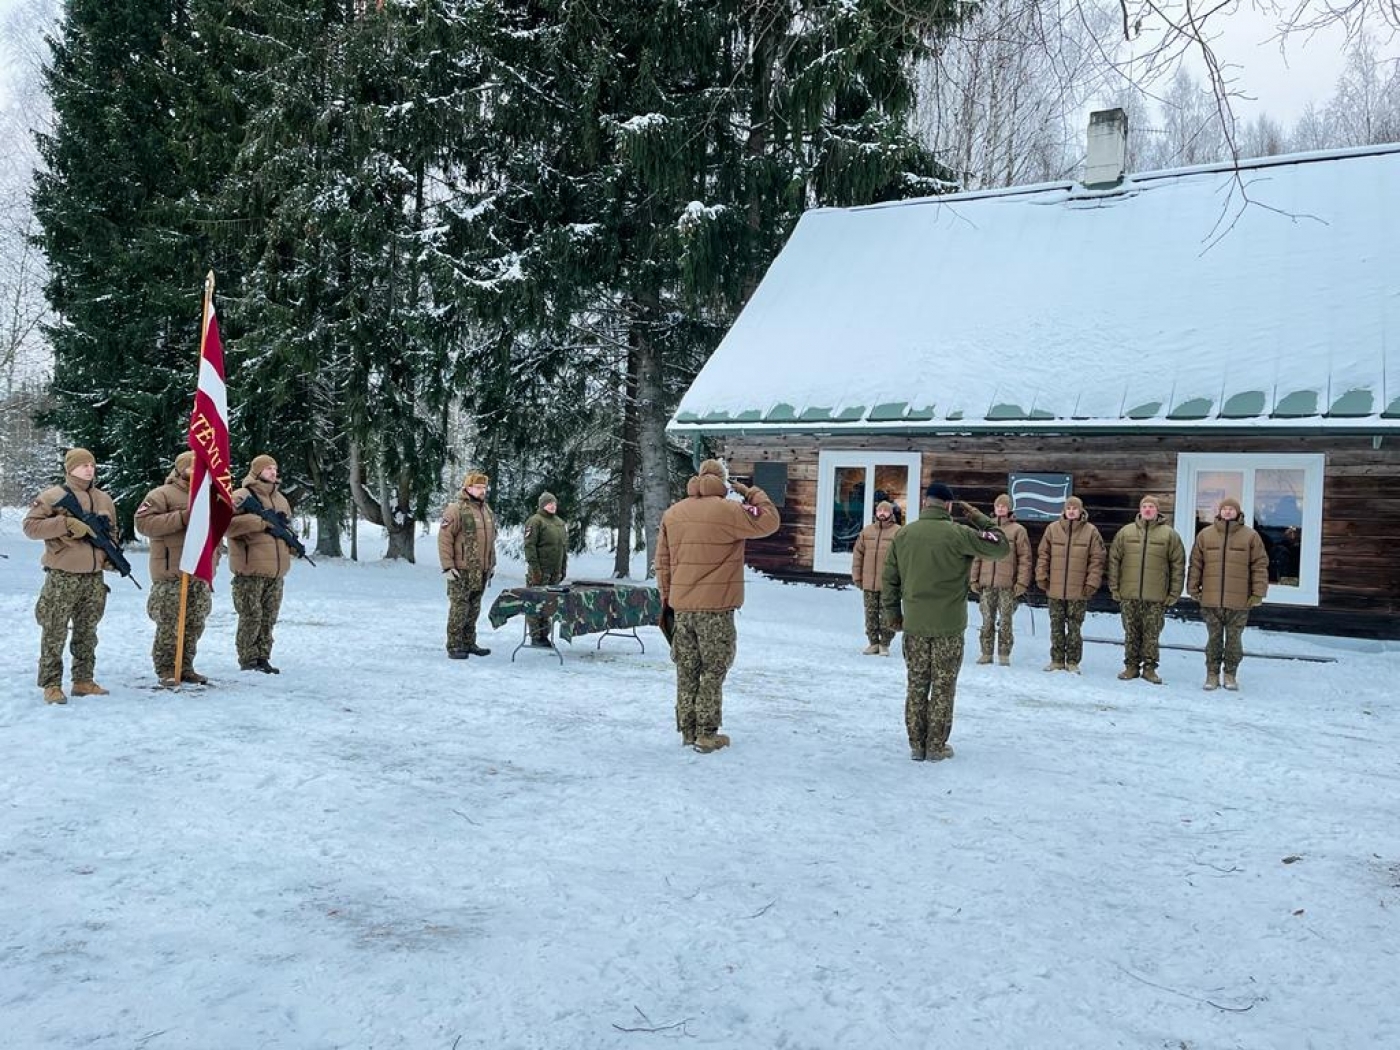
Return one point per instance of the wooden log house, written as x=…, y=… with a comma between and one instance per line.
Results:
x=1193, y=334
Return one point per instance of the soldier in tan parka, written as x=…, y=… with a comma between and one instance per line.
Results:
x=867, y=570
x=1069, y=566
x=700, y=573
x=260, y=562
x=467, y=554
x=1228, y=576
x=74, y=593
x=1000, y=584
x=163, y=517
x=1146, y=568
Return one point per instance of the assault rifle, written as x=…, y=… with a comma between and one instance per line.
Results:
x=278, y=524
x=101, y=537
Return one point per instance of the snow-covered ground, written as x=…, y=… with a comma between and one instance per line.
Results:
x=380, y=848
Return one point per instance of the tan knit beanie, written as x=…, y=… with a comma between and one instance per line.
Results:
x=475, y=477
x=76, y=458
x=713, y=466
x=184, y=461
x=259, y=464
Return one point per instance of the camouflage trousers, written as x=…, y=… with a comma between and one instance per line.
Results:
x=998, y=604
x=257, y=600
x=1142, y=628
x=932, y=667
x=463, y=610
x=1224, y=638
x=1066, y=622
x=76, y=598
x=877, y=625
x=702, y=648
x=541, y=627
x=163, y=606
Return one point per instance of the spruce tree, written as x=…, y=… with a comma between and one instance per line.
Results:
x=650, y=159
x=349, y=339
x=124, y=274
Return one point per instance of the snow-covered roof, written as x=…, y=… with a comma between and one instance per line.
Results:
x=1264, y=296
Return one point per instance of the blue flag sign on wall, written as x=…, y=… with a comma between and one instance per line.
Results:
x=1039, y=497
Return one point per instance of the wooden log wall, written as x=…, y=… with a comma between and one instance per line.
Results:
x=1360, y=544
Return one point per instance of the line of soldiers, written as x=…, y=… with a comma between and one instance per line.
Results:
x=74, y=596
x=915, y=579
x=1146, y=567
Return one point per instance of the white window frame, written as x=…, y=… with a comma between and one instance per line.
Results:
x=1314, y=466
x=823, y=560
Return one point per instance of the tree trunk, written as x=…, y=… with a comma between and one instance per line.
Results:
x=328, y=524
x=627, y=482
x=402, y=526
x=651, y=425
x=328, y=513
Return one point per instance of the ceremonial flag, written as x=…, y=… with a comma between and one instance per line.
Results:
x=211, y=488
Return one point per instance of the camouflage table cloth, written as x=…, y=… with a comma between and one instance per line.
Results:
x=582, y=608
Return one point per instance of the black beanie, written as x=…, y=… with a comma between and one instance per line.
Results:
x=938, y=491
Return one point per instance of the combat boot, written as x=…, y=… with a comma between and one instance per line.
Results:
x=710, y=741
x=267, y=668
x=455, y=654
x=476, y=650
x=938, y=754
x=873, y=649
x=1149, y=674
x=917, y=754
x=1055, y=665
x=194, y=677
x=1212, y=682
x=1230, y=682
x=1004, y=659
x=89, y=689
x=1128, y=674
x=1072, y=668
x=53, y=694
x=884, y=650
x=985, y=658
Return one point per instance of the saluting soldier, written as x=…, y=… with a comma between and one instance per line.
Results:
x=925, y=596
x=74, y=594
x=700, y=574
x=546, y=557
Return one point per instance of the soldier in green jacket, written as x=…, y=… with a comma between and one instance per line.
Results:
x=925, y=596
x=546, y=557
x=1146, y=568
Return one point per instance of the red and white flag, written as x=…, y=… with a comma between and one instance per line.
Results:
x=211, y=486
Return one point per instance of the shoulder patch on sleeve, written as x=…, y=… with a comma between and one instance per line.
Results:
x=990, y=536
x=529, y=531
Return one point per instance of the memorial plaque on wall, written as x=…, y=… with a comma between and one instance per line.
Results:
x=1039, y=497
x=772, y=479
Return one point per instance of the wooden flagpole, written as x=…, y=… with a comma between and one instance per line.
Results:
x=184, y=576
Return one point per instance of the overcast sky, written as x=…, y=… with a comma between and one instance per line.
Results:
x=1280, y=84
